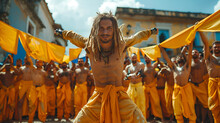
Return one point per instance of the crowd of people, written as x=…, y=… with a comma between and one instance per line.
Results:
x=185, y=89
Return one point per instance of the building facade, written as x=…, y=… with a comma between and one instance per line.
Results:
x=30, y=16
x=168, y=23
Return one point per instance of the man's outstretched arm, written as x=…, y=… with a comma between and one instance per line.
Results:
x=140, y=36
x=166, y=57
x=206, y=44
x=73, y=37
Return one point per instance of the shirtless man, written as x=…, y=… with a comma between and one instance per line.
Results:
x=213, y=67
x=199, y=84
x=51, y=82
x=135, y=90
x=161, y=80
x=24, y=87
x=125, y=81
x=7, y=90
x=183, y=102
x=80, y=91
x=151, y=94
x=38, y=94
x=64, y=92
x=106, y=50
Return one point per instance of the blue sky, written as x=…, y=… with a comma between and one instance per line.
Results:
x=77, y=15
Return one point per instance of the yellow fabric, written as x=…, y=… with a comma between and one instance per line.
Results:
x=134, y=50
x=92, y=90
x=66, y=59
x=80, y=96
x=183, y=104
x=153, y=52
x=51, y=100
x=152, y=98
x=8, y=38
x=201, y=92
x=38, y=99
x=168, y=97
x=74, y=53
x=24, y=89
x=64, y=94
x=55, y=52
x=16, y=85
x=137, y=38
x=214, y=98
x=7, y=102
x=110, y=104
x=136, y=93
x=163, y=104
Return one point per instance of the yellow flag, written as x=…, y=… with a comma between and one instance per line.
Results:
x=153, y=52
x=134, y=50
x=55, y=52
x=74, y=53
x=8, y=38
x=66, y=59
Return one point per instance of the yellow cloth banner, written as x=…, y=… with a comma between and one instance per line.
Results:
x=8, y=38
x=66, y=59
x=153, y=52
x=55, y=52
x=74, y=53
x=134, y=50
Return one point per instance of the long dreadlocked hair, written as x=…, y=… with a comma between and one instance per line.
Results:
x=94, y=41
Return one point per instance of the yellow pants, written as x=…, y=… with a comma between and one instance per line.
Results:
x=163, y=103
x=110, y=104
x=151, y=96
x=17, y=84
x=200, y=92
x=64, y=94
x=168, y=98
x=136, y=93
x=38, y=101
x=7, y=102
x=214, y=98
x=24, y=90
x=51, y=100
x=80, y=96
x=183, y=103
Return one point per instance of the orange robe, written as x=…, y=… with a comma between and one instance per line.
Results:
x=38, y=100
x=64, y=94
x=183, y=103
x=24, y=90
x=136, y=93
x=168, y=97
x=7, y=102
x=161, y=95
x=152, y=97
x=110, y=104
x=80, y=96
x=51, y=100
x=214, y=98
x=17, y=84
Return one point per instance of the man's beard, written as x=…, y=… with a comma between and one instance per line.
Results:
x=180, y=61
x=195, y=56
x=18, y=65
x=217, y=52
x=80, y=65
x=134, y=62
x=105, y=41
x=147, y=62
x=64, y=67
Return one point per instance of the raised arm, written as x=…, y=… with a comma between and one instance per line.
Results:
x=166, y=57
x=206, y=44
x=189, y=59
x=140, y=36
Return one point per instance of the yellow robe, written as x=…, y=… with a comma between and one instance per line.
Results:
x=17, y=84
x=51, y=100
x=161, y=95
x=214, y=98
x=110, y=104
x=151, y=96
x=24, y=89
x=38, y=101
x=201, y=92
x=80, y=96
x=64, y=94
x=7, y=102
x=136, y=93
x=168, y=97
x=183, y=103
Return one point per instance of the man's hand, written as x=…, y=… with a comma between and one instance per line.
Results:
x=154, y=31
x=58, y=32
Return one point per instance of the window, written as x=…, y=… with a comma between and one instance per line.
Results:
x=31, y=27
